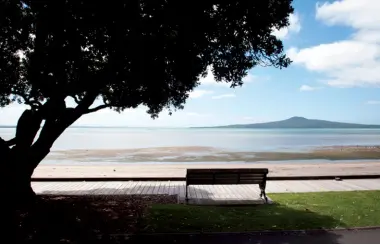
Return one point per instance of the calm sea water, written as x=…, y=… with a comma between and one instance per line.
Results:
x=229, y=139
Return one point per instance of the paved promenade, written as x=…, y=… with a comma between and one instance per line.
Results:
x=217, y=194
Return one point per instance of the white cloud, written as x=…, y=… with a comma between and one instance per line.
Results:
x=368, y=36
x=351, y=62
x=373, y=102
x=223, y=96
x=308, y=88
x=327, y=57
x=294, y=27
x=359, y=14
x=199, y=93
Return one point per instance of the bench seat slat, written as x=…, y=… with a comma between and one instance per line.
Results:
x=235, y=175
x=221, y=181
x=237, y=170
x=231, y=182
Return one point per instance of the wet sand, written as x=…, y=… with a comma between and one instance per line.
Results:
x=210, y=154
x=179, y=170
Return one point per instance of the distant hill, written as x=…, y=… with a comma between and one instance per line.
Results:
x=300, y=122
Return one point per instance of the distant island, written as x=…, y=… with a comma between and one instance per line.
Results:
x=299, y=122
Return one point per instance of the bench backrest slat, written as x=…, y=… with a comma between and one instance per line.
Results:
x=226, y=176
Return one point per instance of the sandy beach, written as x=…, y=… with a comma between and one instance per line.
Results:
x=179, y=170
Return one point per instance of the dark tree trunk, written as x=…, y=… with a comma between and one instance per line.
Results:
x=16, y=186
x=17, y=195
x=18, y=163
x=17, y=166
x=16, y=173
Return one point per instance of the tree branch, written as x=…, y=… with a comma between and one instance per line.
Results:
x=76, y=99
x=27, y=100
x=97, y=108
x=11, y=142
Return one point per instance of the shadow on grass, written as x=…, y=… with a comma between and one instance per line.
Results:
x=185, y=218
x=203, y=219
x=69, y=217
x=317, y=237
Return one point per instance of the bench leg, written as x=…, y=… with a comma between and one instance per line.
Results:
x=186, y=197
x=262, y=192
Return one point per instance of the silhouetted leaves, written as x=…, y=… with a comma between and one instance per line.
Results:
x=131, y=53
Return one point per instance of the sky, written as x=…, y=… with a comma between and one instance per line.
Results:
x=335, y=75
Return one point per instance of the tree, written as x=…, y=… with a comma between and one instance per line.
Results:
x=124, y=53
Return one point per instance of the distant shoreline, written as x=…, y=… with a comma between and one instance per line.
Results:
x=300, y=122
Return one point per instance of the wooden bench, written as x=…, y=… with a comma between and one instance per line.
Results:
x=240, y=176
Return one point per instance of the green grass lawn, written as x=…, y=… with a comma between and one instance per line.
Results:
x=290, y=211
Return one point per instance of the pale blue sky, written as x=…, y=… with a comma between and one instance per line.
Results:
x=335, y=46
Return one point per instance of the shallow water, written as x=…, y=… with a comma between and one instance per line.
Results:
x=232, y=140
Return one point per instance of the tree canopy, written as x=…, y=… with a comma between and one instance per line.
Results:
x=123, y=53
x=129, y=53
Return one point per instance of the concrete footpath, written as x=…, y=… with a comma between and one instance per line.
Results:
x=371, y=236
